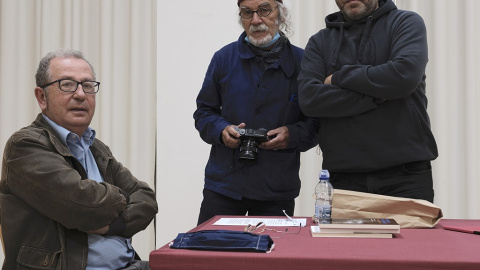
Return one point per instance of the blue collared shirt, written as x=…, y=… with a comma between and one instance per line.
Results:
x=104, y=252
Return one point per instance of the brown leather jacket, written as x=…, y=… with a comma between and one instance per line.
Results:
x=47, y=202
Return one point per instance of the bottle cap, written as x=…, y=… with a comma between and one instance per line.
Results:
x=324, y=175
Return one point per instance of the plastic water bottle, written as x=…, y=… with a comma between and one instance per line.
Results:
x=323, y=198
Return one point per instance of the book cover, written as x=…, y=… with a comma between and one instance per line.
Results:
x=317, y=232
x=370, y=225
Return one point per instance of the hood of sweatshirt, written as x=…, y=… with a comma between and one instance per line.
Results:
x=336, y=20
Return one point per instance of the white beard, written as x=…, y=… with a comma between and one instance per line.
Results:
x=259, y=42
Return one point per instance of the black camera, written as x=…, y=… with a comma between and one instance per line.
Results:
x=250, y=139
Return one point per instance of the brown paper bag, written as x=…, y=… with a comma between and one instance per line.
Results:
x=409, y=213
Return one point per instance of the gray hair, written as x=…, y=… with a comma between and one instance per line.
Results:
x=284, y=21
x=44, y=75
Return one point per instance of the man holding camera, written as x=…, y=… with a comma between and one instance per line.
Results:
x=248, y=111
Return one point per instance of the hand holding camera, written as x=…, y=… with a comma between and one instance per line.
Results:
x=249, y=142
x=279, y=138
x=231, y=137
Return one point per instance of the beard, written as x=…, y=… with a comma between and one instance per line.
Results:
x=259, y=42
x=359, y=11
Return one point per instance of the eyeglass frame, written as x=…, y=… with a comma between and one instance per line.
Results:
x=260, y=227
x=97, y=86
x=256, y=11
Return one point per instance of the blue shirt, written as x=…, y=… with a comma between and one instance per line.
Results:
x=104, y=252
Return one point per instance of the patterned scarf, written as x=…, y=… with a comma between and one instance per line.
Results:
x=270, y=56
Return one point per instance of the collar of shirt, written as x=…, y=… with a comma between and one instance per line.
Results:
x=79, y=147
x=87, y=137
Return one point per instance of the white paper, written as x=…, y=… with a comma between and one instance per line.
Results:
x=279, y=222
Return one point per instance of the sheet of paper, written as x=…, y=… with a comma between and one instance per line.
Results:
x=285, y=222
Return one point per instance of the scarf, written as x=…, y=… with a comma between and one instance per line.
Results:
x=271, y=56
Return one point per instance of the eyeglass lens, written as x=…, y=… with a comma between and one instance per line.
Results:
x=262, y=12
x=71, y=86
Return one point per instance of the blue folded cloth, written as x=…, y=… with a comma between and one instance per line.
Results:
x=223, y=240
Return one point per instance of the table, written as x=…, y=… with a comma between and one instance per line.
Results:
x=434, y=248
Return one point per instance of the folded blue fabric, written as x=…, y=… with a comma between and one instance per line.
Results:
x=223, y=240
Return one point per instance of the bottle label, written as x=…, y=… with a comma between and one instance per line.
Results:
x=326, y=212
x=323, y=212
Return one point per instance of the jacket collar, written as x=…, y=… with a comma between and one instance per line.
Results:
x=40, y=122
x=286, y=61
x=54, y=138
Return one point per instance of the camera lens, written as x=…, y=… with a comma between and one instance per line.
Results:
x=250, y=138
x=248, y=151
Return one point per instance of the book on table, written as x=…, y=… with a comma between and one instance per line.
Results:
x=371, y=228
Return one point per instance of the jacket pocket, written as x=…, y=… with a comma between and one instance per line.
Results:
x=293, y=112
x=37, y=258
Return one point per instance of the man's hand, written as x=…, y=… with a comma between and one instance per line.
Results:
x=280, y=139
x=100, y=231
x=231, y=137
x=328, y=80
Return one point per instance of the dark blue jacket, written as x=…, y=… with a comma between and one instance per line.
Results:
x=374, y=114
x=237, y=88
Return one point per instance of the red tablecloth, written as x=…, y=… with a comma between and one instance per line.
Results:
x=434, y=248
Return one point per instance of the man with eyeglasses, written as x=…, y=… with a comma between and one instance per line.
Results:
x=251, y=88
x=66, y=202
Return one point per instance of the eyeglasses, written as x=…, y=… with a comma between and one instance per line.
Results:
x=261, y=12
x=260, y=227
x=70, y=86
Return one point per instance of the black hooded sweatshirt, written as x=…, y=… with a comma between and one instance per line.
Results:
x=374, y=114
